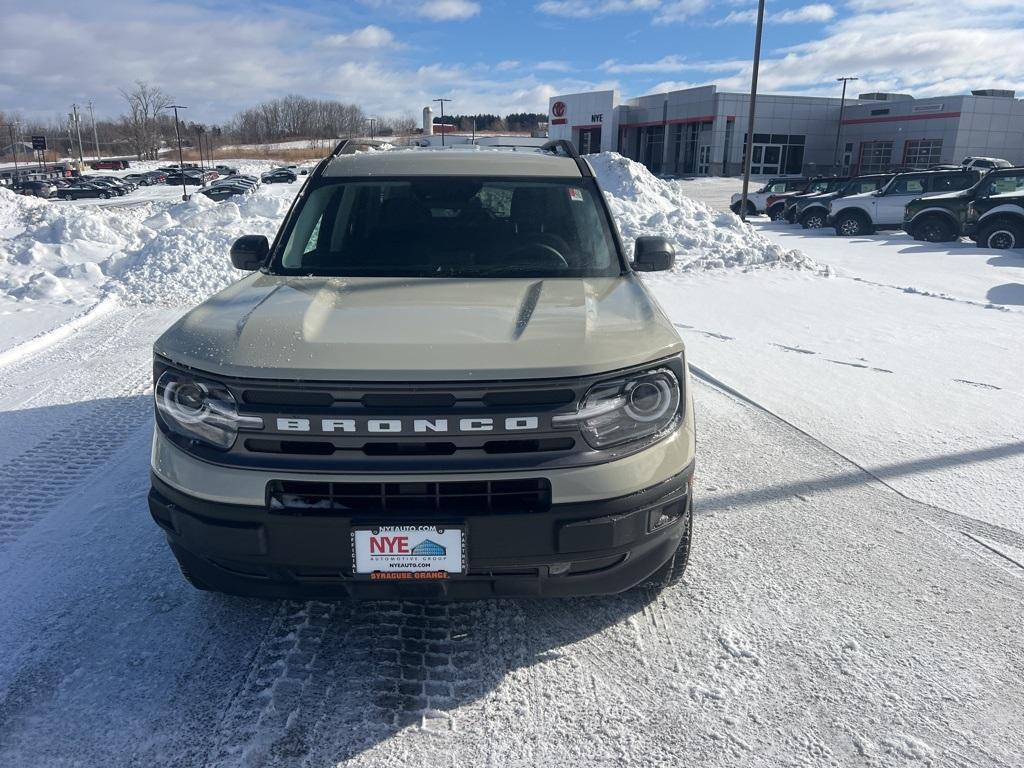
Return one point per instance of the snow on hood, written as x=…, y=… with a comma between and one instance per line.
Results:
x=704, y=238
x=173, y=252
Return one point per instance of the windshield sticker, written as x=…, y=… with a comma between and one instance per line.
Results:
x=575, y=194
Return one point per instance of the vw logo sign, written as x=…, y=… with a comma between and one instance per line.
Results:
x=558, y=109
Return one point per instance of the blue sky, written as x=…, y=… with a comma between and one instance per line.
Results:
x=392, y=56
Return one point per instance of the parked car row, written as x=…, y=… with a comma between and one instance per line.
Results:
x=984, y=203
x=222, y=189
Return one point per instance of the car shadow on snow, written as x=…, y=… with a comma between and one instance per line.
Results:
x=1007, y=293
x=1008, y=259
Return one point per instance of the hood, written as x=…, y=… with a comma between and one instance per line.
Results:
x=421, y=329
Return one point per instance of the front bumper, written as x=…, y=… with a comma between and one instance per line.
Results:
x=583, y=548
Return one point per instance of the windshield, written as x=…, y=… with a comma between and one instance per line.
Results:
x=451, y=227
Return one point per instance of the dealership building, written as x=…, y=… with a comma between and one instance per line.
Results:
x=702, y=131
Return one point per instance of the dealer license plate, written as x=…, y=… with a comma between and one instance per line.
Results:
x=398, y=552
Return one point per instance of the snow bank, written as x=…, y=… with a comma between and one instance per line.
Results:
x=167, y=251
x=704, y=238
x=162, y=251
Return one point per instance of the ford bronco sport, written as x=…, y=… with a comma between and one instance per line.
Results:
x=443, y=379
x=943, y=218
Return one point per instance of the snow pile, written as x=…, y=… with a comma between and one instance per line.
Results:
x=163, y=251
x=703, y=237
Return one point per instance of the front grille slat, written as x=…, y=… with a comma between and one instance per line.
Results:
x=441, y=498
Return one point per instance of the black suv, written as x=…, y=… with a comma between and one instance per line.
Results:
x=997, y=221
x=787, y=209
x=942, y=218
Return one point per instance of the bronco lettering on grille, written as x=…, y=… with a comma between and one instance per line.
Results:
x=420, y=426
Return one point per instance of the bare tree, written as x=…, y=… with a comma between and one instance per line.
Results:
x=145, y=104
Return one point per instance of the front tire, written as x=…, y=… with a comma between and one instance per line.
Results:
x=67, y=196
x=776, y=211
x=1001, y=235
x=105, y=195
x=812, y=220
x=852, y=225
x=935, y=229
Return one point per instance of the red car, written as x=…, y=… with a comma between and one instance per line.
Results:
x=108, y=165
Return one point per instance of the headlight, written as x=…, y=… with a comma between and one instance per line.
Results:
x=643, y=405
x=200, y=410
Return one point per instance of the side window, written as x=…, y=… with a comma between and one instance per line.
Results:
x=1003, y=184
x=950, y=182
x=779, y=186
x=795, y=186
x=908, y=186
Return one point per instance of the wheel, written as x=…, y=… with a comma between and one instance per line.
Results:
x=1001, y=235
x=852, y=225
x=672, y=571
x=776, y=211
x=812, y=219
x=935, y=229
x=751, y=208
x=66, y=196
x=105, y=195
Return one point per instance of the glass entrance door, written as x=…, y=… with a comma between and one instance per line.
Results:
x=704, y=161
x=766, y=159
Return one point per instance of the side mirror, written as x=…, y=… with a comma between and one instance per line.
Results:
x=653, y=254
x=878, y=192
x=249, y=252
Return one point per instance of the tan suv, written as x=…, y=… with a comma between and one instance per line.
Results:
x=444, y=378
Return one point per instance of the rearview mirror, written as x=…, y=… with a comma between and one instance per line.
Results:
x=653, y=254
x=249, y=252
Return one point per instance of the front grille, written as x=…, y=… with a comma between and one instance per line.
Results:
x=444, y=498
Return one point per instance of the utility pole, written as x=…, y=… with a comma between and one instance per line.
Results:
x=199, y=133
x=14, y=149
x=78, y=130
x=95, y=136
x=71, y=140
x=181, y=161
x=753, y=103
x=442, y=101
x=839, y=127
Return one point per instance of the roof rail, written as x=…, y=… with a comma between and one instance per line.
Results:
x=569, y=149
x=560, y=144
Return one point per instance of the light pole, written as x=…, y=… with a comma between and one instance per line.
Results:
x=839, y=127
x=181, y=160
x=78, y=130
x=753, y=102
x=199, y=133
x=95, y=135
x=372, y=121
x=441, y=102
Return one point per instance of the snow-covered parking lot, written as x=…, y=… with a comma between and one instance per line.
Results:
x=854, y=597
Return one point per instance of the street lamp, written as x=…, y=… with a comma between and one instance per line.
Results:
x=181, y=159
x=839, y=127
x=372, y=121
x=753, y=101
x=442, y=101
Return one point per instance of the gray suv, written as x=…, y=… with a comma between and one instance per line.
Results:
x=443, y=379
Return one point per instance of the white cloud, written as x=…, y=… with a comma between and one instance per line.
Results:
x=448, y=10
x=507, y=64
x=664, y=64
x=679, y=10
x=587, y=9
x=553, y=66
x=436, y=10
x=819, y=12
x=370, y=36
x=814, y=12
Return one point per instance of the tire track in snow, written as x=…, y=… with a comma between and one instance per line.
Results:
x=354, y=672
x=84, y=416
